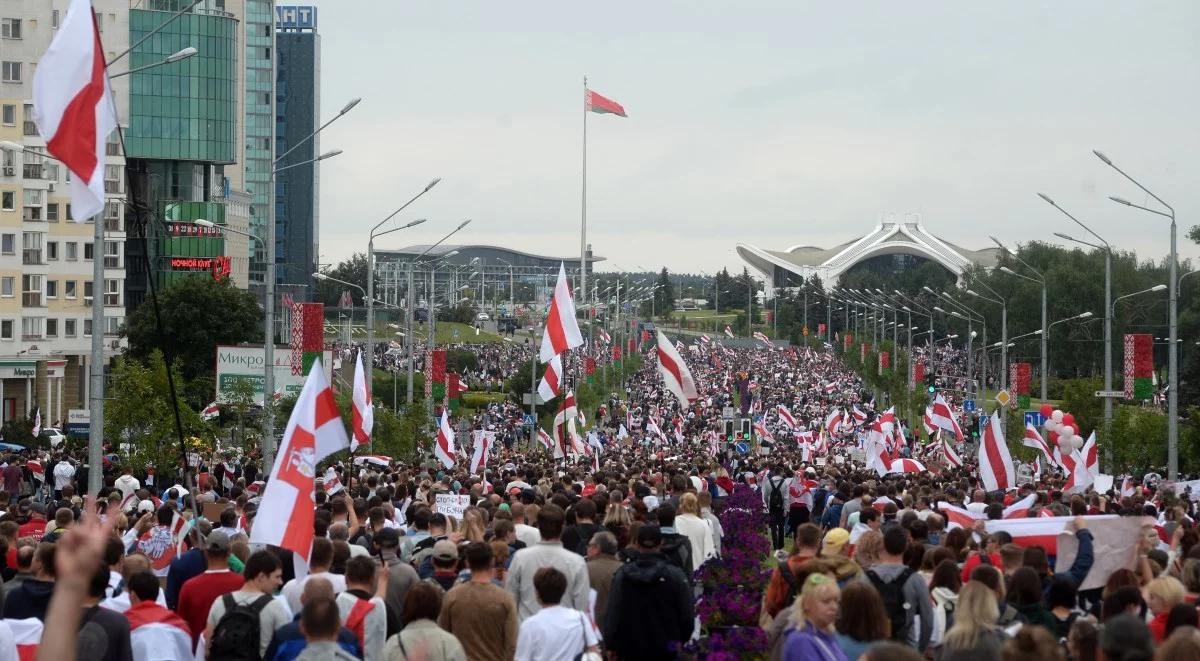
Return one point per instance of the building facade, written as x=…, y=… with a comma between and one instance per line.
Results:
x=258, y=122
x=46, y=255
x=297, y=102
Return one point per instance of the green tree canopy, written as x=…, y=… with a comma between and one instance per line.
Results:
x=353, y=270
x=138, y=417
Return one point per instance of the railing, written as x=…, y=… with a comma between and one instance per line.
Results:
x=32, y=170
x=31, y=299
x=31, y=256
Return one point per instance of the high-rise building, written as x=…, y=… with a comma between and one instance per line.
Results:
x=298, y=95
x=182, y=134
x=46, y=288
x=258, y=122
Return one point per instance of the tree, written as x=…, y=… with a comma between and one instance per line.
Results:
x=139, y=418
x=198, y=314
x=664, y=296
x=353, y=270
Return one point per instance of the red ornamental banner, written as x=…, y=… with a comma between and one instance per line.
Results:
x=616, y=353
x=918, y=372
x=438, y=366
x=820, y=329
x=849, y=340
x=863, y=350
x=308, y=335
x=1020, y=375
x=452, y=385
x=1139, y=366
x=885, y=362
x=632, y=348
x=589, y=365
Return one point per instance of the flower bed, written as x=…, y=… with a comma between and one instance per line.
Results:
x=734, y=584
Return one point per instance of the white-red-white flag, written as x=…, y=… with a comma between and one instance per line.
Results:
x=943, y=417
x=948, y=454
x=73, y=107
x=567, y=412
x=483, y=450
x=1091, y=458
x=551, y=380
x=927, y=421
x=286, y=513
x=995, y=463
x=833, y=421
x=1034, y=440
x=37, y=423
x=785, y=416
x=544, y=439
x=562, y=330
x=729, y=332
x=363, y=415
x=1020, y=509
x=27, y=635
x=443, y=447
x=676, y=375
x=1127, y=488
x=383, y=461
x=1078, y=477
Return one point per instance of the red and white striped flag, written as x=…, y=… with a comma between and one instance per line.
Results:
x=762, y=337
x=211, y=412
x=729, y=332
x=37, y=423
x=833, y=420
x=380, y=460
x=565, y=417
x=73, y=106
x=1091, y=458
x=544, y=440
x=958, y=517
x=675, y=374
x=153, y=627
x=785, y=416
x=548, y=388
x=362, y=414
x=705, y=339
x=333, y=483
x=562, y=330
x=314, y=431
x=604, y=336
x=37, y=470
x=483, y=450
x=948, y=454
x=1020, y=509
x=1127, y=488
x=927, y=420
x=444, y=448
x=943, y=417
x=1078, y=477
x=995, y=463
x=858, y=414
x=1034, y=440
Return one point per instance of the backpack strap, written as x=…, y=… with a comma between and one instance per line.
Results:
x=229, y=601
x=789, y=577
x=258, y=605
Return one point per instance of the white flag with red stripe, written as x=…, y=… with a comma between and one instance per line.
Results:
x=27, y=634
x=287, y=511
x=362, y=415
x=943, y=417
x=1020, y=509
x=785, y=416
x=444, y=448
x=995, y=463
x=544, y=440
x=676, y=375
x=483, y=449
x=948, y=454
x=927, y=421
x=1091, y=458
x=549, y=386
x=1034, y=440
x=1127, y=488
x=729, y=332
x=383, y=461
x=73, y=107
x=833, y=421
x=562, y=330
x=1078, y=477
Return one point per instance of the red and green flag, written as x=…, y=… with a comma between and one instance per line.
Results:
x=603, y=105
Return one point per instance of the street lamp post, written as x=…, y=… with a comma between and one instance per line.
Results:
x=1040, y=279
x=1081, y=315
x=412, y=302
x=1173, y=322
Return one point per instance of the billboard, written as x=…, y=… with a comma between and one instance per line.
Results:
x=246, y=362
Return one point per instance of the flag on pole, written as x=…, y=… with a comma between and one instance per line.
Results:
x=37, y=422
x=943, y=417
x=363, y=414
x=562, y=330
x=729, y=332
x=604, y=336
x=675, y=374
x=602, y=105
x=927, y=421
x=948, y=454
x=444, y=448
x=544, y=439
x=567, y=412
x=73, y=107
x=1034, y=440
x=995, y=463
x=1078, y=477
x=1091, y=458
x=549, y=386
x=833, y=421
x=483, y=450
x=314, y=431
x=785, y=416
x=211, y=411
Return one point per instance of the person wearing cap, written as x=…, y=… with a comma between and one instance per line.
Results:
x=197, y=595
x=650, y=604
x=385, y=548
x=834, y=551
x=35, y=527
x=444, y=564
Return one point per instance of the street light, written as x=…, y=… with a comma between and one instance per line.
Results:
x=1173, y=321
x=1038, y=278
x=411, y=301
x=1158, y=287
x=177, y=56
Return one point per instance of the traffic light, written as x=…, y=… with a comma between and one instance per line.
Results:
x=745, y=436
x=729, y=431
x=930, y=383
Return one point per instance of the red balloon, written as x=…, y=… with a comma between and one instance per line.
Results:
x=1053, y=437
x=1075, y=428
x=1068, y=419
x=1047, y=410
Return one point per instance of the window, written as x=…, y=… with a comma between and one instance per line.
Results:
x=112, y=292
x=99, y=22
x=69, y=327
x=8, y=114
x=6, y=328
x=51, y=328
x=87, y=327
x=69, y=289
x=6, y=286
x=69, y=216
x=52, y=212
x=31, y=201
x=51, y=172
x=72, y=251
x=30, y=126
x=31, y=327
x=53, y=18
x=6, y=157
x=10, y=28
x=87, y=251
x=112, y=178
x=10, y=72
x=112, y=325
x=8, y=200
x=52, y=289
x=8, y=244
x=87, y=289
x=31, y=290
x=52, y=251
x=31, y=247
x=112, y=254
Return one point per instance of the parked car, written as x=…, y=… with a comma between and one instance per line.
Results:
x=482, y=316
x=54, y=436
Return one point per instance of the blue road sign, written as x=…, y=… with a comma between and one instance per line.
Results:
x=529, y=420
x=742, y=448
x=1035, y=418
x=969, y=405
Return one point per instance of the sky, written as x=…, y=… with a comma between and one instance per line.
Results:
x=770, y=123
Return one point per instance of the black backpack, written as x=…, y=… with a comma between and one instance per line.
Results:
x=893, y=600
x=238, y=633
x=775, y=500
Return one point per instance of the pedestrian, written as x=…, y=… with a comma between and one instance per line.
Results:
x=554, y=633
x=422, y=639
x=263, y=576
x=548, y=552
x=320, y=623
x=481, y=615
x=650, y=606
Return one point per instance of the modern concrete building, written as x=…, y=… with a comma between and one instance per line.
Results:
x=891, y=236
x=258, y=121
x=46, y=288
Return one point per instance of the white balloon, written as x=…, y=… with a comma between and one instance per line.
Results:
x=1064, y=444
x=1048, y=424
x=1077, y=442
x=1057, y=415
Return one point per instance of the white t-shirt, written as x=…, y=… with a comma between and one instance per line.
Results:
x=555, y=633
x=272, y=617
x=294, y=588
x=63, y=472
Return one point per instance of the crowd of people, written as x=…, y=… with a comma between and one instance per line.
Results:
x=598, y=556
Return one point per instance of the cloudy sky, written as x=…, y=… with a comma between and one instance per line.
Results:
x=772, y=123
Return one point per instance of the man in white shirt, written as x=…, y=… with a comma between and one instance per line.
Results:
x=526, y=533
x=547, y=553
x=319, y=562
x=362, y=612
x=64, y=472
x=554, y=632
x=263, y=576
x=127, y=484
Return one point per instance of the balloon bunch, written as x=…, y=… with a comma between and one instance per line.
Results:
x=1061, y=428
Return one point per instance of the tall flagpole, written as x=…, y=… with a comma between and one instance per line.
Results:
x=583, y=221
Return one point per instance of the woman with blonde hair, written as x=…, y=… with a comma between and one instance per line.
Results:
x=472, y=526
x=813, y=635
x=1163, y=594
x=697, y=530
x=974, y=635
x=868, y=549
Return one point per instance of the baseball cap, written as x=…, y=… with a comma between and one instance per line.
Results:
x=217, y=541
x=649, y=537
x=388, y=537
x=445, y=550
x=145, y=506
x=835, y=539
x=37, y=507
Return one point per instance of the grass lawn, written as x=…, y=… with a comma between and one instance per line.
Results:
x=726, y=313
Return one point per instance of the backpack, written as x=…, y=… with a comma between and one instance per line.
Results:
x=775, y=500
x=793, y=585
x=893, y=600
x=238, y=633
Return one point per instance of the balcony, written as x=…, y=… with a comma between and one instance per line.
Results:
x=112, y=187
x=32, y=299
x=112, y=300
x=113, y=225
x=32, y=170
x=32, y=257
x=30, y=128
x=32, y=214
x=112, y=262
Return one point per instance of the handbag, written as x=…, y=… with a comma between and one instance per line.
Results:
x=585, y=655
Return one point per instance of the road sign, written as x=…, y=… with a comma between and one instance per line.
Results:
x=1003, y=398
x=529, y=420
x=1118, y=394
x=742, y=448
x=1035, y=418
x=969, y=405
x=728, y=413
x=454, y=333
